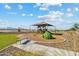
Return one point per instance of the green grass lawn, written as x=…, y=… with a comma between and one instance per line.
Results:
x=7, y=39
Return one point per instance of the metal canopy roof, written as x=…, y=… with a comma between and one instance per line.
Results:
x=42, y=24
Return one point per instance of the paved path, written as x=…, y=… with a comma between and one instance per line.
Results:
x=45, y=50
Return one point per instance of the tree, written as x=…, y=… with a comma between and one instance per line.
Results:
x=72, y=29
x=76, y=26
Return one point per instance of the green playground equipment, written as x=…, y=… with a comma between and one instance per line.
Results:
x=47, y=35
x=42, y=28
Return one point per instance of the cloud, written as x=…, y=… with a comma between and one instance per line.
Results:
x=12, y=13
x=52, y=16
x=42, y=6
x=55, y=4
x=69, y=22
x=69, y=14
x=20, y=6
x=37, y=5
x=76, y=9
x=30, y=14
x=7, y=7
x=23, y=14
x=57, y=13
x=69, y=10
x=6, y=23
x=45, y=6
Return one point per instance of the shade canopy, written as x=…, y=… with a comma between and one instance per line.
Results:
x=42, y=24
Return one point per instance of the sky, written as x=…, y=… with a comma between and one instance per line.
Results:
x=61, y=15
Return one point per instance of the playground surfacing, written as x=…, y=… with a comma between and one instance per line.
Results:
x=38, y=37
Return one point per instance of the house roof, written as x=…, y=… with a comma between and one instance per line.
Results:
x=42, y=24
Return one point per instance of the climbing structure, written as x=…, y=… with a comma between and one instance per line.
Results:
x=42, y=27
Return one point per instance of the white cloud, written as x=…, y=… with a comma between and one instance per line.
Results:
x=45, y=17
x=20, y=6
x=69, y=10
x=7, y=7
x=69, y=22
x=30, y=14
x=55, y=16
x=52, y=16
x=69, y=14
x=23, y=14
x=6, y=23
x=76, y=9
x=57, y=13
x=37, y=4
x=54, y=4
x=12, y=13
x=45, y=6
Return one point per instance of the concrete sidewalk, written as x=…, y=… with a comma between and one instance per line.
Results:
x=47, y=51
